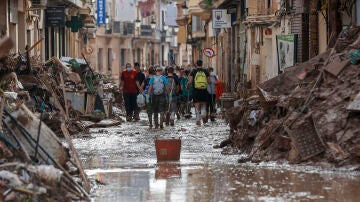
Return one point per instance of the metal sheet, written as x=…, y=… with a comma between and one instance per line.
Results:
x=77, y=100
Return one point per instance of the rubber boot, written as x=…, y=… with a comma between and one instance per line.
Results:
x=198, y=118
x=203, y=111
x=162, y=119
x=156, y=120
x=150, y=120
x=167, y=118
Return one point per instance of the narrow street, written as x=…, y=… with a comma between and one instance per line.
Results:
x=123, y=158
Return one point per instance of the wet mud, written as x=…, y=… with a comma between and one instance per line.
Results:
x=123, y=160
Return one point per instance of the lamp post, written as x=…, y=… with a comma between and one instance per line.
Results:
x=166, y=27
x=153, y=23
x=185, y=10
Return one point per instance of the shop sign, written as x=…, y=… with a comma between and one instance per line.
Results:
x=209, y=52
x=55, y=17
x=221, y=19
x=286, y=50
x=101, y=12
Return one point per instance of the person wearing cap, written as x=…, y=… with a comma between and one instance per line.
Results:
x=199, y=79
x=158, y=89
x=129, y=85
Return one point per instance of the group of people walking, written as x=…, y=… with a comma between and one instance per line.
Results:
x=168, y=93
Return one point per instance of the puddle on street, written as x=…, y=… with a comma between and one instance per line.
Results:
x=124, y=158
x=172, y=182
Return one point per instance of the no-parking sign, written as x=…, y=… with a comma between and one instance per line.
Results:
x=209, y=52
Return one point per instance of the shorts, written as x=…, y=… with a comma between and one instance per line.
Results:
x=200, y=95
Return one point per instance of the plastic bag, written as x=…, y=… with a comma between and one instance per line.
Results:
x=140, y=100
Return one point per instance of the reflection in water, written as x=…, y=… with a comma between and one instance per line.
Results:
x=167, y=170
x=169, y=182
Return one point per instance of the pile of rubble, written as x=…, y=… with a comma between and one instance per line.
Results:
x=309, y=113
x=40, y=102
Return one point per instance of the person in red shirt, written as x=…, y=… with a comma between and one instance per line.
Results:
x=129, y=85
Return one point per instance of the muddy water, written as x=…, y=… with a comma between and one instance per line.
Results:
x=124, y=159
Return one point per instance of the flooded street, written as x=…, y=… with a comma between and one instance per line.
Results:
x=124, y=159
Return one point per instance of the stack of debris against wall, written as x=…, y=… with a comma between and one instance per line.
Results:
x=32, y=95
x=310, y=112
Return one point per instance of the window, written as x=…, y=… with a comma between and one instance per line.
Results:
x=100, y=59
x=110, y=57
x=122, y=57
x=197, y=24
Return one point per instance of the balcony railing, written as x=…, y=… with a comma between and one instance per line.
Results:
x=261, y=11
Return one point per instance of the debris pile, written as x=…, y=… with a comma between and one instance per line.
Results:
x=40, y=102
x=309, y=113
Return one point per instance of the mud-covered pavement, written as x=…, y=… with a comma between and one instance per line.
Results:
x=124, y=159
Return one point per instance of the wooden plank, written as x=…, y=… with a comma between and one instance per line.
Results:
x=48, y=140
x=355, y=104
x=90, y=104
x=6, y=44
x=337, y=66
x=2, y=104
x=76, y=157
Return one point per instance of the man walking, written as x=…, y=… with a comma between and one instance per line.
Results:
x=159, y=88
x=199, y=79
x=210, y=106
x=129, y=85
x=174, y=86
x=140, y=79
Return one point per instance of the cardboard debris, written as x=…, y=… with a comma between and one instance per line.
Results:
x=337, y=66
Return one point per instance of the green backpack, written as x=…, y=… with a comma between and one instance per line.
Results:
x=200, y=80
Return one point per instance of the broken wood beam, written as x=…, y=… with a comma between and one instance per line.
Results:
x=76, y=156
x=64, y=94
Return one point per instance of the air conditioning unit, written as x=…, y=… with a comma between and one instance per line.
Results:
x=38, y=3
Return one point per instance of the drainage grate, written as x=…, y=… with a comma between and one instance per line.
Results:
x=306, y=140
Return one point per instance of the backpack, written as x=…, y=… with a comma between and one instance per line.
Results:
x=158, y=85
x=172, y=84
x=200, y=80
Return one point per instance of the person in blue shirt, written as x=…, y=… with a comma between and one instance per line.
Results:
x=158, y=89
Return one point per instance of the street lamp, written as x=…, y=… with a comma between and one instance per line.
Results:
x=153, y=23
x=137, y=23
x=166, y=27
x=176, y=29
x=185, y=10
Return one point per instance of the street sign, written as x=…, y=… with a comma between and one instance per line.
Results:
x=221, y=19
x=209, y=52
x=101, y=12
x=55, y=17
x=75, y=24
